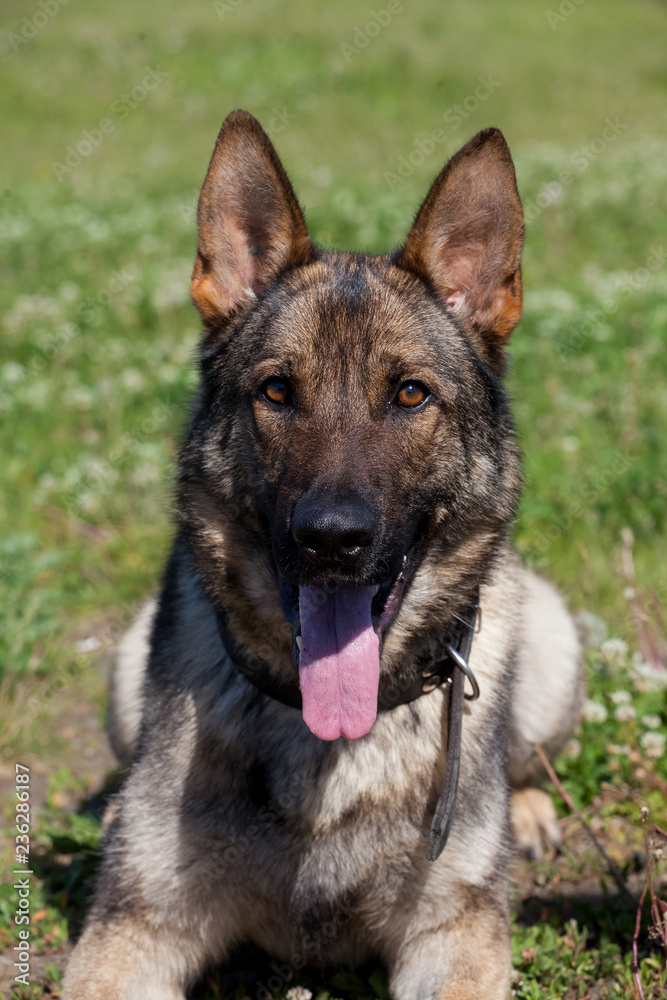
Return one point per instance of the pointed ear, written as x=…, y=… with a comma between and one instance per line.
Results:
x=250, y=226
x=467, y=240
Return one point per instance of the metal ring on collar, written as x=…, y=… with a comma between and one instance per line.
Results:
x=462, y=664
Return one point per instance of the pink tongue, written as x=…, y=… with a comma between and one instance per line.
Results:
x=340, y=661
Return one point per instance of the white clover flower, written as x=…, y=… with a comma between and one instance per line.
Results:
x=625, y=713
x=12, y=372
x=132, y=379
x=173, y=285
x=651, y=721
x=653, y=743
x=79, y=396
x=88, y=645
x=31, y=310
x=593, y=711
x=621, y=749
x=620, y=697
x=646, y=677
x=47, y=482
x=298, y=993
x=69, y=291
x=572, y=748
x=168, y=372
x=148, y=472
x=614, y=650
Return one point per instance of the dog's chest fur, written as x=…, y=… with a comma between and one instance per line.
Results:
x=318, y=845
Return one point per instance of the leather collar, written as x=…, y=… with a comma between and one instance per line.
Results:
x=429, y=673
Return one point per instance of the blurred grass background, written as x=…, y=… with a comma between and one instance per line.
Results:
x=96, y=248
x=98, y=329
x=75, y=399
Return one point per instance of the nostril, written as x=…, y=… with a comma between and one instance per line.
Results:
x=356, y=540
x=310, y=540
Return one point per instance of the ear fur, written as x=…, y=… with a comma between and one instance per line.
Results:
x=467, y=238
x=250, y=225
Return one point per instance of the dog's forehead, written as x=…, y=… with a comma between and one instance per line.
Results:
x=362, y=310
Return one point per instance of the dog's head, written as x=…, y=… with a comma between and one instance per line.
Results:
x=351, y=468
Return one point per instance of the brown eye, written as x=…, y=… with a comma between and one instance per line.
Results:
x=276, y=390
x=412, y=394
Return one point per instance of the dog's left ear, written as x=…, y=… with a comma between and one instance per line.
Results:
x=467, y=240
x=250, y=226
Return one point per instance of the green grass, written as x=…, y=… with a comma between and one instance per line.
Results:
x=98, y=333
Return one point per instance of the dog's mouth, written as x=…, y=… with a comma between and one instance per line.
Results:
x=338, y=629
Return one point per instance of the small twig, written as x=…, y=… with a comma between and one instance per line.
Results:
x=612, y=867
x=90, y=531
x=649, y=854
x=636, y=974
x=658, y=907
x=656, y=782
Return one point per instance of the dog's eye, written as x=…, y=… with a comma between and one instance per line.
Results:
x=412, y=394
x=276, y=390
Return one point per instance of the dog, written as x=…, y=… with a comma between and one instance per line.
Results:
x=344, y=499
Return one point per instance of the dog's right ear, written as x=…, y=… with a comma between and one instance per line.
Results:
x=250, y=226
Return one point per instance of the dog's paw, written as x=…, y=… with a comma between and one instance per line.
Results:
x=534, y=821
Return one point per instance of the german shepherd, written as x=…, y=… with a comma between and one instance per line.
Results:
x=345, y=495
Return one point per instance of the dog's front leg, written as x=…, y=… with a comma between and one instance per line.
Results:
x=122, y=959
x=468, y=958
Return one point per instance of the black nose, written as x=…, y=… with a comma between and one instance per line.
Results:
x=333, y=531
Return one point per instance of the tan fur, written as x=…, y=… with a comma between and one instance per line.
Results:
x=534, y=822
x=471, y=955
x=549, y=686
x=115, y=971
x=125, y=685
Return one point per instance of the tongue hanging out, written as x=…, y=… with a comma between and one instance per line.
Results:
x=339, y=670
